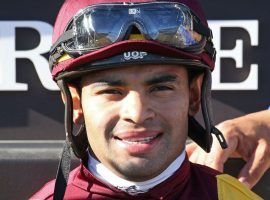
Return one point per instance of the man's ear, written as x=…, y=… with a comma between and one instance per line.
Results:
x=76, y=100
x=195, y=94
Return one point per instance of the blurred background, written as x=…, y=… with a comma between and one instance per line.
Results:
x=31, y=114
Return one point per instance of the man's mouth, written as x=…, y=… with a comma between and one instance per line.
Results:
x=142, y=140
x=138, y=142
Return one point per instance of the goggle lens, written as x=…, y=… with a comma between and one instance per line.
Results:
x=98, y=26
x=95, y=29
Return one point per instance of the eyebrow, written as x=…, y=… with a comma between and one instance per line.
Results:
x=112, y=81
x=108, y=82
x=162, y=79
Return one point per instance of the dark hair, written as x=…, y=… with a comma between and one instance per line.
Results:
x=192, y=73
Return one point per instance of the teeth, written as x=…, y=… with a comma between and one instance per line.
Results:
x=140, y=140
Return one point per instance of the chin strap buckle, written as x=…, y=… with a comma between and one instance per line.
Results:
x=220, y=137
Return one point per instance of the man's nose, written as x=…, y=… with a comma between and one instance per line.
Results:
x=136, y=108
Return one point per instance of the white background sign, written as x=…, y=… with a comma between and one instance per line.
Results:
x=8, y=54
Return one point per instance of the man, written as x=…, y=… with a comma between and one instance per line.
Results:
x=133, y=75
x=248, y=137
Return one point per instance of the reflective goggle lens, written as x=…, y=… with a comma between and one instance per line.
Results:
x=172, y=26
x=100, y=25
x=95, y=28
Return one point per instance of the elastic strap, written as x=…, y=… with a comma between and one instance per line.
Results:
x=202, y=29
x=199, y=134
x=64, y=37
x=209, y=48
x=65, y=160
x=63, y=172
x=57, y=49
x=77, y=142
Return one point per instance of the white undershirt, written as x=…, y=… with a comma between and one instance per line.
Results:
x=105, y=175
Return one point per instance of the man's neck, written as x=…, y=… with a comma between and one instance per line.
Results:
x=105, y=175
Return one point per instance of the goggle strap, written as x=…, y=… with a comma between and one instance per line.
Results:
x=210, y=49
x=53, y=59
x=56, y=50
x=67, y=35
x=200, y=28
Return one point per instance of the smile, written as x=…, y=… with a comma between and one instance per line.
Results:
x=139, y=140
x=135, y=143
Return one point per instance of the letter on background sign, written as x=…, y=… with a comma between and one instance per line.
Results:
x=8, y=55
x=252, y=27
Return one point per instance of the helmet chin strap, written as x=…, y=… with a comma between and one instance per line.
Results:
x=202, y=136
x=77, y=142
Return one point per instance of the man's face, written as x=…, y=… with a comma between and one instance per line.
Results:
x=136, y=118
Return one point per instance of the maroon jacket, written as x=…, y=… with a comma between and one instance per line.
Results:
x=190, y=182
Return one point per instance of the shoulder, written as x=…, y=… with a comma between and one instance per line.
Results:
x=204, y=171
x=203, y=180
x=226, y=186
x=47, y=191
x=230, y=188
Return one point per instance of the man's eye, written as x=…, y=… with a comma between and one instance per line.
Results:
x=161, y=88
x=110, y=91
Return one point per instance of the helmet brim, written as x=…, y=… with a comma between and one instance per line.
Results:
x=113, y=56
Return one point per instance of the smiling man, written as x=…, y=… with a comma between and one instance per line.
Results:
x=133, y=75
x=132, y=123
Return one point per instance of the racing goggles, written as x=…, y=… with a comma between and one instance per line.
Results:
x=98, y=26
